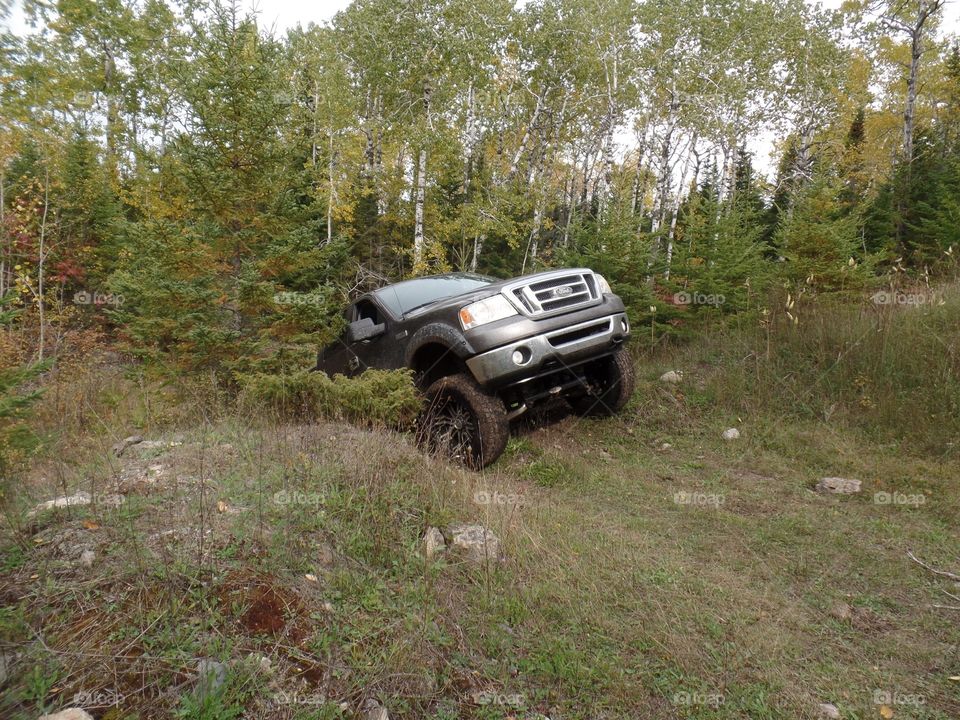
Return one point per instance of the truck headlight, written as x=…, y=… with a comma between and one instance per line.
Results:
x=603, y=287
x=488, y=310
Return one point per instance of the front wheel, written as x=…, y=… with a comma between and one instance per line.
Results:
x=463, y=422
x=610, y=385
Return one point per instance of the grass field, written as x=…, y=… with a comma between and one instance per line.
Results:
x=652, y=569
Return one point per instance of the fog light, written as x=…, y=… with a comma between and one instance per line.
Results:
x=625, y=325
x=521, y=356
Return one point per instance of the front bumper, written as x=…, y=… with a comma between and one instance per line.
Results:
x=565, y=345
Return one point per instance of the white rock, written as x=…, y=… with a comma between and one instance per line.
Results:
x=828, y=711
x=211, y=674
x=672, y=377
x=731, y=434
x=81, y=498
x=838, y=485
x=433, y=543
x=69, y=714
x=87, y=557
x=373, y=710
x=475, y=542
x=665, y=446
x=119, y=448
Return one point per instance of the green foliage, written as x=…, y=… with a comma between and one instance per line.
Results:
x=820, y=242
x=16, y=438
x=380, y=397
x=720, y=254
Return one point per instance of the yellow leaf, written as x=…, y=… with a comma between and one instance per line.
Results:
x=90, y=525
x=221, y=506
x=886, y=712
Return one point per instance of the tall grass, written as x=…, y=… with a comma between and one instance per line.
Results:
x=891, y=369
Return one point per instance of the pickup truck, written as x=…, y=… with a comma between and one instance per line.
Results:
x=484, y=351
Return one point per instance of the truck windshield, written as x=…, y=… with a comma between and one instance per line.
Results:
x=408, y=295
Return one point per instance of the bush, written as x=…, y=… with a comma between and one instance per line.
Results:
x=377, y=397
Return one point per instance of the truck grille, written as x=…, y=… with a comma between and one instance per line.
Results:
x=552, y=294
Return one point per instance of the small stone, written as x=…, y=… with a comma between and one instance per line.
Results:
x=672, y=377
x=828, y=711
x=326, y=555
x=665, y=446
x=433, y=543
x=476, y=542
x=80, y=498
x=841, y=611
x=262, y=662
x=373, y=710
x=121, y=446
x=838, y=485
x=310, y=577
x=68, y=714
x=731, y=434
x=211, y=675
x=87, y=557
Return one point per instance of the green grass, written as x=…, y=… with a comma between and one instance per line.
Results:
x=615, y=599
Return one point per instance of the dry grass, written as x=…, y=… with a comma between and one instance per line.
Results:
x=615, y=599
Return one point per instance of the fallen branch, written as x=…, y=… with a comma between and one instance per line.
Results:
x=942, y=573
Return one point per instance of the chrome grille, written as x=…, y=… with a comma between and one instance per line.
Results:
x=558, y=292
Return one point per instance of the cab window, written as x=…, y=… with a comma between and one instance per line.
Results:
x=367, y=309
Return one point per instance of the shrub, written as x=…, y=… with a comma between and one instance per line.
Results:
x=377, y=397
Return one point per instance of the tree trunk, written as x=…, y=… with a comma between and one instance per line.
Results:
x=908, y=114
x=41, y=305
x=418, y=211
x=421, y=183
x=676, y=204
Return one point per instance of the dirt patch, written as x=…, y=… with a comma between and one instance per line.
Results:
x=262, y=607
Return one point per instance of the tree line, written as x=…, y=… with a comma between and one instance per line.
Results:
x=228, y=187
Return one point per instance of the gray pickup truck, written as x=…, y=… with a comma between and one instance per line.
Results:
x=484, y=351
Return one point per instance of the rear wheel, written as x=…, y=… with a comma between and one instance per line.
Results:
x=610, y=385
x=463, y=422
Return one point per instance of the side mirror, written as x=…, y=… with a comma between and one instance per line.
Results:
x=364, y=329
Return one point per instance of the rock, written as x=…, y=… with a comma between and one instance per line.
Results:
x=121, y=446
x=7, y=661
x=841, y=612
x=210, y=675
x=665, y=446
x=146, y=448
x=87, y=557
x=828, y=710
x=731, y=434
x=672, y=377
x=433, y=543
x=838, y=485
x=261, y=662
x=373, y=710
x=326, y=555
x=68, y=714
x=81, y=498
x=475, y=542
